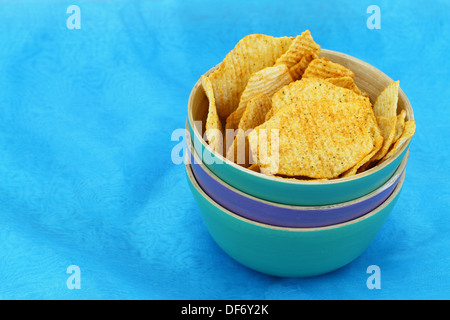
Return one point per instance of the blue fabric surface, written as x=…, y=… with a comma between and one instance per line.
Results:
x=86, y=175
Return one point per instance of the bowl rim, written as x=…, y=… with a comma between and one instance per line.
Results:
x=392, y=196
x=395, y=176
x=224, y=160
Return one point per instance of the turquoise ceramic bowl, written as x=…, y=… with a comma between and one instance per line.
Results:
x=284, y=215
x=290, y=252
x=302, y=193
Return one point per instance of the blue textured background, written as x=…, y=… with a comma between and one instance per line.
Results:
x=86, y=176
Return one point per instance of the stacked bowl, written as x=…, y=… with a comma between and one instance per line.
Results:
x=285, y=227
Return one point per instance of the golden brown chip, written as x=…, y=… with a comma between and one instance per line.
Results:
x=269, y=114
x=266, y=81
x=408, y=132
x=387, y=126
x=213, y=126
x=399, y=126
x=299, y=68
x=251, y=54
x=254, y=167
x=302, y=46
x=348, y=83
x=324, y=68
x=378, y=143
x=316, y=139
x=314, y=89
x=378, y=140
x=253, y=116
x=386, y=103
x=255, y=113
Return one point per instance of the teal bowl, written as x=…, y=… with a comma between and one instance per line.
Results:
x=290, y=252
x=302, y=193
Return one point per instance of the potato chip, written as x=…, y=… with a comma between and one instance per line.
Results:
x=254, y=167
x=399, y=126
x=385, y=110
x=266, y=81
x=348, y=83
x=251, y=54
x=302, y=46
x=378, y=143
x=255, y=113
x=313, y=89
x=299, y=68
x=253, y=116
x=264, y=148
x=387, y=126
x=386, y=103
x=316, y=139
x=408, y=132
x=213, y=124
x=233, y=119
x=324, y=68
x=378, y=140
x=269, y=114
